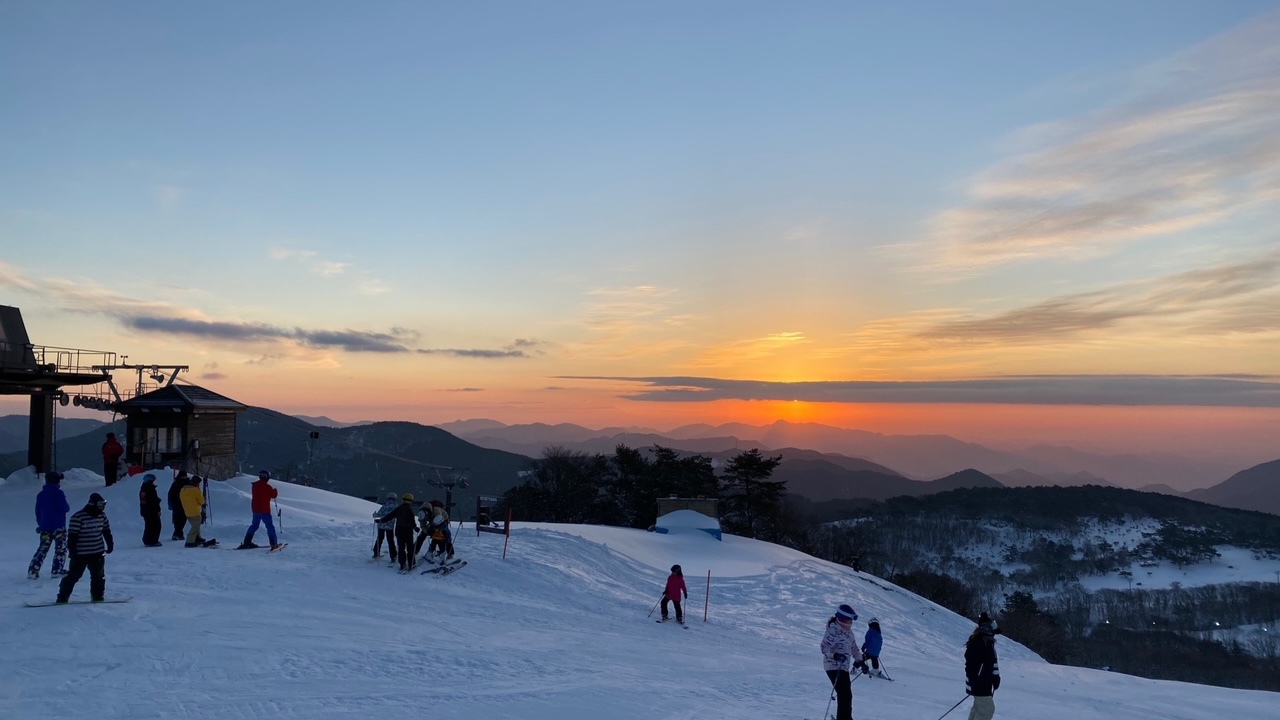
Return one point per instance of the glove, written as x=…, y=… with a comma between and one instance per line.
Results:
x=110, y=547
x=995, y=683
x=840, y=658
x=204, y=517
x=860, y=665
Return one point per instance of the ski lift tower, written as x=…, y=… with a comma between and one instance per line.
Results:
x=458, y=477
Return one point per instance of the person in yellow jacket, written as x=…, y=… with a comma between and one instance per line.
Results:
x=193, y=505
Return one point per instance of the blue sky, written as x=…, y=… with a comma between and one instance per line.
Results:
x=518, y=193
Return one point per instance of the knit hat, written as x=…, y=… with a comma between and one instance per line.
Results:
x=873, y=621
x=408, y=497
x=53, y=476
x=986, y=625
x=844, y=613
x=148, y=478
x=97, y=500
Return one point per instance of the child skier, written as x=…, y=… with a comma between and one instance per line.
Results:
x=838, y=648
x=675, y=587
x=871, y=645
x=386, y=528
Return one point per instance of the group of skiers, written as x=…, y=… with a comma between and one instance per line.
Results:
x=396, y=522
x=87, y=539
x=841, y=651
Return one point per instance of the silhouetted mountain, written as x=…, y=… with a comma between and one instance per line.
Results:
x=323, y=421
x=1162, y=489
x=1026, y=478
x=1257, y=488
x=1134, y=471
x=821, y=479
x=13, y=430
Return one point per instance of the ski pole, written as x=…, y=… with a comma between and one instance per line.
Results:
x=953, y=707
x=279, y=521
x=655, y=607
x=827, y=712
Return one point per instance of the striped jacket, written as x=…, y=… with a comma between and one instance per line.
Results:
x=89, y=534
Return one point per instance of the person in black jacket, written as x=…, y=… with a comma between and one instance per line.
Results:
x=149, y=506
x=89, y=542
x=406, y=524
x=175, y=505
x=982, y=669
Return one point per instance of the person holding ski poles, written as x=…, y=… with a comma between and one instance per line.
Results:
x=982, y=669
x=675, y=586
x=838, y=648
x=386, y=528
x=260, y=505
x=872, y=642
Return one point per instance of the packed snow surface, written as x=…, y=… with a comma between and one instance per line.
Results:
x=557, y=631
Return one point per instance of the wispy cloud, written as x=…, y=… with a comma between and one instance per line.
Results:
x=13, y=277
x=213, y=376
x=1114, y=390
x=1232, y=298
x=520, y=348
x=348, y=340
x=310, y=260
x=1203, y=147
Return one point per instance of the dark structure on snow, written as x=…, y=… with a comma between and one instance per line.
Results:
x=185, y=427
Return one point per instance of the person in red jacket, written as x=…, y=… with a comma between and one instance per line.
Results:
x=263, y=494
x=675, y=586
x=111, y=452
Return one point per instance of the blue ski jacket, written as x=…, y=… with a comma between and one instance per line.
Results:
x=872, y=642
x=51, y=508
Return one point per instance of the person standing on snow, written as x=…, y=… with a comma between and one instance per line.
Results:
x=175, y=504
x=89, y=540
x=982, y=669
x=838, y=648
x=435, y=522
x=672, y=593
x=260, y=504
x=405, y=523
x=386, y=528
x=872, y=642
x=51, y=523
x=149, y=507
x=111, y=452
x=193, y=507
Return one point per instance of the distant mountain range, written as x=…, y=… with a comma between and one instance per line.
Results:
x=372, y=458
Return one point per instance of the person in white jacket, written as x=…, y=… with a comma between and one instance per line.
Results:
x=839, y=648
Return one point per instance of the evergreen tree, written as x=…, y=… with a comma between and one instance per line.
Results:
x=750, y=500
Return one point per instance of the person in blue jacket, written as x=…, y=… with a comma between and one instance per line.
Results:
x=51, y=523
x=872, y=643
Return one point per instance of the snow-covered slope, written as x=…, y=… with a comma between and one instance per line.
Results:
x=557, y=631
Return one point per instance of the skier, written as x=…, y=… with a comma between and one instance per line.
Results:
x=675, y=586
x=871, y=645
x=260, y=505
x=406, y=523
x=386, y=527
x=111, y=452
x=193, y=506
x=175, y=504
x=435, y=521
x=89, y=539
x=51, y=523
x=982, y=669
x=838, y=647
x=149, y=507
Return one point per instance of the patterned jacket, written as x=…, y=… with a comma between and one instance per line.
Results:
x=838, y=641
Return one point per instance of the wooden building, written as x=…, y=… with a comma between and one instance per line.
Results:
x=184, y=427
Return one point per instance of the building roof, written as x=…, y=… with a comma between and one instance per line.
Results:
x=190, y=397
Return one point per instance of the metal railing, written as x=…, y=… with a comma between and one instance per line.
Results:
x=25, y=356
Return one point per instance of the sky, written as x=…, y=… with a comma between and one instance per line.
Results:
x=968, y=218
x=554, y=623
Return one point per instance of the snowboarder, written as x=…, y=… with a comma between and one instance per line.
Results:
x=386, y=528
x=111, y=452
x=675, y=587
x=149, y=506
x=838, y=648
x=193, y=507
x=175, y=504
x=982, y=669
x=51, y=523
x=406, y=524
x=260, y=505
x=872, y=642
x=89, y=539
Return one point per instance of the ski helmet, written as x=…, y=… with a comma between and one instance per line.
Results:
x=676, y=569
x=844, y=613
x=391, y=496
x=873, y=621
x=408, y=497
x=264, y=474
x=53, y=476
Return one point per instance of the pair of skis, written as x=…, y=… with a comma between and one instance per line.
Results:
x=445, y=568
x=662, y=620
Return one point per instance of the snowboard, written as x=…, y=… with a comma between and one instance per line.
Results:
x=80, y=602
